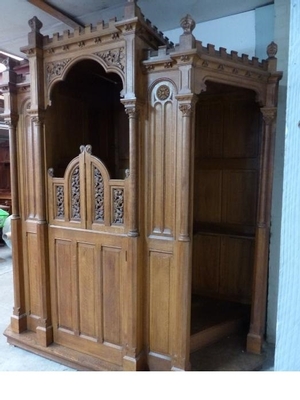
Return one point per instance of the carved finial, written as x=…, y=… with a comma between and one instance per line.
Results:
x=51, y=172
x=35, y=24
x=88, y=148
x=187, y=24
x=82, y=148
x=272, y=50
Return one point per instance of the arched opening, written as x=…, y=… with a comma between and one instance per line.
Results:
x=86, y=109
x=226, y=189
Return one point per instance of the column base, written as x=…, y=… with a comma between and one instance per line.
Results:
x=254, y=343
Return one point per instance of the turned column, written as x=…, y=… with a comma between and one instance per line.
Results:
x=133, y=209
x=258, y=312
x=36, y=226
x=183, y=251
x=133, y=358
x=18, y=319
x=9, y=90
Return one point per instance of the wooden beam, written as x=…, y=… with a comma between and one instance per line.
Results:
x=54, y=12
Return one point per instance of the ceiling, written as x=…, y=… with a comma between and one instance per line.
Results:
x=15, y=14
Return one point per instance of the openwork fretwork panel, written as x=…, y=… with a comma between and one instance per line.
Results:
x=86, y=197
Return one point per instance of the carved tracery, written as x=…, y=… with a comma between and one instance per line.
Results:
x=60, y=199
x=75, y=194
x=118, y=198
x=99, y=195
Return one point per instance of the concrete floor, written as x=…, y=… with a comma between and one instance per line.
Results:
x=15, y=359
x=12, y=358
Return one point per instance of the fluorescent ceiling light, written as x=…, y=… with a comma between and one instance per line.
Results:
x=11, y=55
x=2, y=67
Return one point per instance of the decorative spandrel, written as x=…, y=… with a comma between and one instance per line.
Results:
x=118, y=199
x=75, y=194
x=99, y=195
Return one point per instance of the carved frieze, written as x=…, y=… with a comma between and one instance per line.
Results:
x=55, y=69
x=114, y=58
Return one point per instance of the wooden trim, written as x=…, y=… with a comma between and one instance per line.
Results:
x=55, y=13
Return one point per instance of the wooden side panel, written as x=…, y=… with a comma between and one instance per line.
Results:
x=240, y=133
x=33, y=275
x=159, y=298
x=237, y=257
x=207, y=194
x=225, y=191
x=88, y=289
x=111, y=267
x=210, y=144
x=206, y=255
x=239, y=197
x=64, y=284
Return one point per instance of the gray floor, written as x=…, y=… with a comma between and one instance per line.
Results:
x=11, y=357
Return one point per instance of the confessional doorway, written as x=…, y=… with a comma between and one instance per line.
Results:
x=87, y=150
x=226, y=182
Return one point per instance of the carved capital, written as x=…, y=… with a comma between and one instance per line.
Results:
x=11, y=121
x=132, y=108
x=132, y=112
x=37, y=116
x=269, y=114
x=186, y=109
x=187, y=104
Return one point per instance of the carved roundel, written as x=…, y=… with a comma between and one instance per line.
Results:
x=163, y=92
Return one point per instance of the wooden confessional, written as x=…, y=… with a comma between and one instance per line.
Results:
x=141, y=183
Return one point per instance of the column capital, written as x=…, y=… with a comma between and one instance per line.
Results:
x=187, y=103
x=269, y=114
x=132, y=107
x=11, y=120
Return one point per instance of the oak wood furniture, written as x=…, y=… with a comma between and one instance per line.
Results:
x=141, y=176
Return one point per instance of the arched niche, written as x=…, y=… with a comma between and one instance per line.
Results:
x=227, y=169
x=86, y=109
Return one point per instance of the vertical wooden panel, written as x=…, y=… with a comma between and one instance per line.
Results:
x=206, y=256
x=34, y=275
x=239, y=197
x=169, y=169
x=159, y=302
x=157, y=168
x=240, y=132
x=162, y=162
x=64, y=283
x=207, y=196
x=209, y=136
x=111, y=269
x=87, y=286
x=237, y=257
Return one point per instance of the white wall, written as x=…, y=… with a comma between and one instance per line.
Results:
x=264, y=29
x=236, y=32
x=281, y=37
x=247, y=33
x=287, y=348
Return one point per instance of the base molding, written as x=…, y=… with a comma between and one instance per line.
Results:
x=55, y=352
